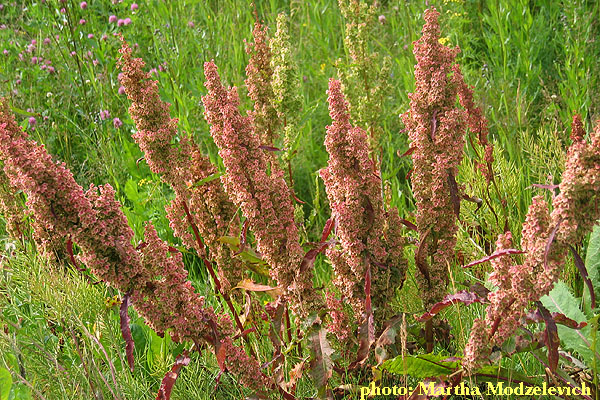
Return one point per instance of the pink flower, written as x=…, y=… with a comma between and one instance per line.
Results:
x=365, y=231
x=117, y=123
x=121, y=90
x=112, y=19
x=5, y=52
x=104, y=115
x=134, y=7
x=191, y=24
x=83, y=5
x=47, y=41
x=32, y=121
x=33, y=42
x=436, y=129
x=127, y=21
x=82, y=21
x=90, y=35
x=120, y=22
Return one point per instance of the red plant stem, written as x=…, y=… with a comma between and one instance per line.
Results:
x=212, y=273
x=288, y=323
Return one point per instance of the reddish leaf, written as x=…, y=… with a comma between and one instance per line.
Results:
x=126, y=331
x=164, y=393
x=248, y=284
x=243, y=237
x=584, y=274
x=173, y=249
x=559, y=318
x=433, y=124
x=454, y=197
x=479, y=290
x=420, y=257
x=71, y=256
x=327, y=229
x=473, y=199
x=366, y=330
x=387, y=337
x=221, y=354
x=408, y=224
x=311, y=256
x=552, y=188
x=406, y=153
x=496, y=254
x=550, y=337
x=408, y=174
x=549, y=243
x=321, y=365
x=461, y=297
x=296, y=198
x=141, y=245
x=268, y=148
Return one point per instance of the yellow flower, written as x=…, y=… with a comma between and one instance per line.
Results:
x=444, y=40
x=110, y=302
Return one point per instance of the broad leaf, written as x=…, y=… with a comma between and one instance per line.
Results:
x=421, y=366
x=321, y=365
x=561, y=300
x=592, y=262
x=5, y=383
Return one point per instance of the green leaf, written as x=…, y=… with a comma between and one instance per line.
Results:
x=5, y=383
x=592, y=263
x=561, y=300
x=421, y=366
x=208, y=179
x=20, y=392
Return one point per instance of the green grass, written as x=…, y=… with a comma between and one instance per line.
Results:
x=532, y=63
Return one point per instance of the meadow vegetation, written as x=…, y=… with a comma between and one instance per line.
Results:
x=297, y=199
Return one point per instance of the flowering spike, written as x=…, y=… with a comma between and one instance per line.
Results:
x=546, y=238
x=259, y=76
x=182, y=167
x=355, y=198
x=364, y=79
x=264, y=198
x=436, y=130
x=286, y=86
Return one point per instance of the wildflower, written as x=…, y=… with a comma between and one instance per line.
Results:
x=191, y=24
x=5, y=52
x=134, y=7
x=354, y=191
x=121, y=90
x=83, y=5
x=210, y=209
x=34, y=60
x=120, y=22
x=47, y=41
x=287, y=100
x=33, y=42
x=117, y=123
x=264, y=199
x=382, y=19
x=90, y=35
x=32, y=121
x=104, y=115
x=51, y=70
x=127, y=21
x=82, y=21
x=112, y=19
x=575, y=212
x=104, y=37
x=364, y=78
x=259, y=75
x=436, y=131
